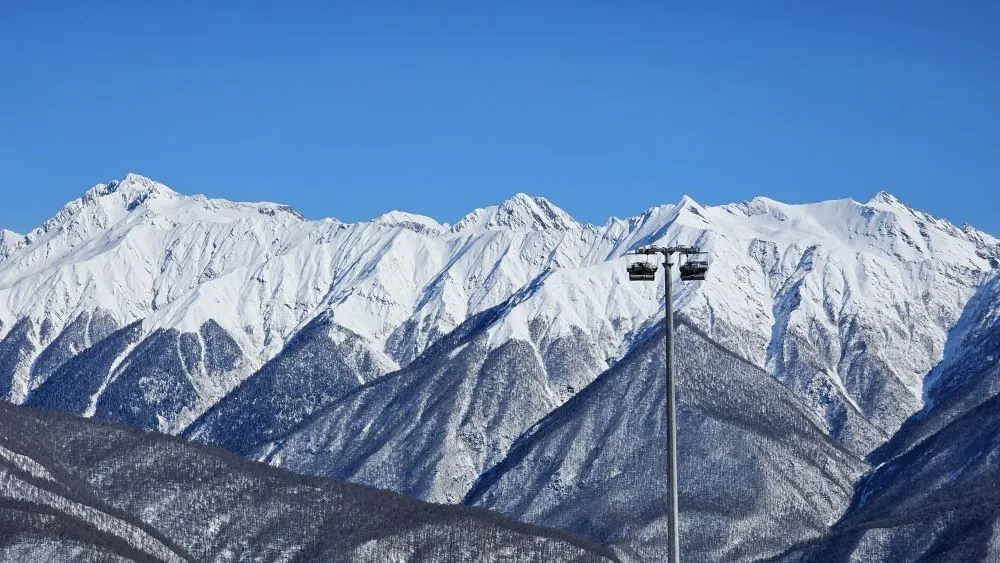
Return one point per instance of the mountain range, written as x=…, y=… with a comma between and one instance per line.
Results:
x=505, y=361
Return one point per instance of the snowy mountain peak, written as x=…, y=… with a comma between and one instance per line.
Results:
x=921, y=220
x=688, y=204
x=759, y=205
x=884, y=197
x=105, y=204
x=411, y=221
x=131, y=187
x=885, y=201
x=140, y=198
x=521, y=212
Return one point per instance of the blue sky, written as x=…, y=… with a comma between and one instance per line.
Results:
x=350, y=109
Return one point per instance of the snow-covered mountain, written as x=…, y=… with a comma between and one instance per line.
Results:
x=757, y=471
x=416, y=355
x=933, y=494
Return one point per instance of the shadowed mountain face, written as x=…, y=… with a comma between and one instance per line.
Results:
x=968, y=376
x=938, y=502
x=72, y=489
x=427, y=432
x=757, y=472
x=313, y=370
x=432, y=428
x=934, y=495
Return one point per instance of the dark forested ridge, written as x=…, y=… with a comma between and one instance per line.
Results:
x=75, y=489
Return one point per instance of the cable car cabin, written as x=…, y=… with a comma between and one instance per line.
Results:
x=641, y=271
x=694, y=269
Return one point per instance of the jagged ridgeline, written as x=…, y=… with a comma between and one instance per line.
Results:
x=496, y=361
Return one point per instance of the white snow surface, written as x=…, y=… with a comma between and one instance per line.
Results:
x=9, y=242
x=829, y=272
x=412, y=221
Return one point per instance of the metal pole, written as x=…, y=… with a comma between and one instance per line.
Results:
x=673, y=537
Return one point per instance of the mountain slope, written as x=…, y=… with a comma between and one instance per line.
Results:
x=135, y=250
x=74, y=489
x=430, y=429
x=933, y=494
x=321, y=363
x=937, y=502
x=968, y=375
x=862, y=297
x=757, y=472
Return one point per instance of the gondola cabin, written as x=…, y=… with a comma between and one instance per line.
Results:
x=694, y=268
x=641, y=271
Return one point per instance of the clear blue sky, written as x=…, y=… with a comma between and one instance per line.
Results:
x=352, y=108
